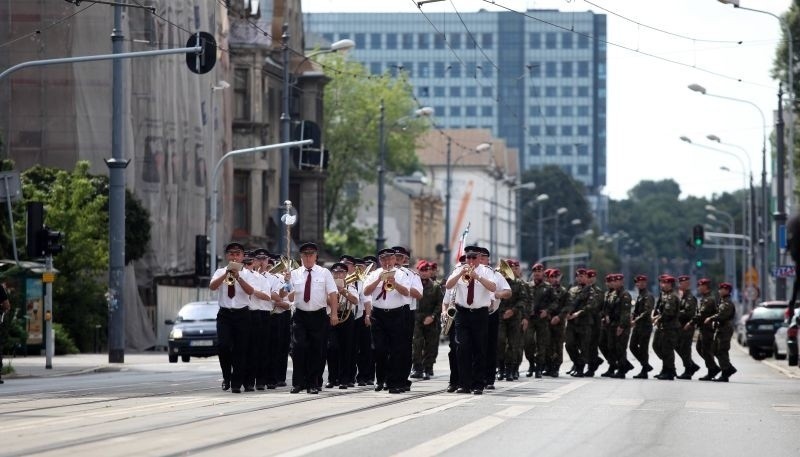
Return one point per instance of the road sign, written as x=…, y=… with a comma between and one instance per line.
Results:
x=751, y=293
x=784, y=271
x=751, y=277
x=204, y=62
x=782, y=236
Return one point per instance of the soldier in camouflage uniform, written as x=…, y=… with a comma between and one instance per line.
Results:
x=667, y=323
x=723, y=322
x=509, y=346
x=579, y=322
x=618, y=328
x=537, y=289
x=642, y=326
x=609, y=296
x=686, y=312
x=706, y=308
x=539, y=322
x=558, y=312
x=426, y=323
x=593, y=359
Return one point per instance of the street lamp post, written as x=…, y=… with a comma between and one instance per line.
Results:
x=764, y=232
x=559, y=212
x=528, y=185
x=588, y=232
x=540, y=199
x=210, y=156
x=730, y=254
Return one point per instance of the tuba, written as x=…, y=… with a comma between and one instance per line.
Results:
x=505, y=269
x=283, y=265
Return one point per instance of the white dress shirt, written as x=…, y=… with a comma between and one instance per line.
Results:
x=241, y=299
x=416, y=283
x=482, y=297
x=502, y=285
x=322, y=284
x=393, y=298
x=267, y=284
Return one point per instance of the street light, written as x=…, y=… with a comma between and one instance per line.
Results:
x=448, y=187
x=424, y=111
x=730, y=255
x=286, y=119
x=588, y=232
x=540, y=199
x=210, y=157
x=529, y=186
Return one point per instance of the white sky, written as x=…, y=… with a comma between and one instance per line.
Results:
x=649, y=104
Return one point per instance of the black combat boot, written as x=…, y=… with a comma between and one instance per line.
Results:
x=577, y=372
x=708, y=377
x=510, y=372
x=726, y=374
x=685, y=375
x=538, y=373
x=516, y=372
x=416, y=373
x=666, y=376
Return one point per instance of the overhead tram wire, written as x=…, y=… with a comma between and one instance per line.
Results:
x=48, y=27
x=172, y=24
x=628, y=48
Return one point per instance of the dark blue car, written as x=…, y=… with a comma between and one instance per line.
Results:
x=194, y=331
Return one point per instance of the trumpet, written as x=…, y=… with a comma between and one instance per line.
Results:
x=467, y=273
x=232, y=266
x=449, y=315
x=385, y=276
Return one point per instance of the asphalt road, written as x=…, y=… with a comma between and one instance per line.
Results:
x=165, y=409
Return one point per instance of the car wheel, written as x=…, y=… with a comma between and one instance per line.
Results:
x=792, y=360
x=173, y=358
x=756, y=354
x=778, y=355
x=185, y=358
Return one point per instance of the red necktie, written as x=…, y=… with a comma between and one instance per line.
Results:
x=471, y=291
x=382, y=295
x=307, y=291
x=231, y=291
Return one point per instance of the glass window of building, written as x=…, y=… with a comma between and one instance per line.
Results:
x=566, y=91
x=455, y=111
x=535, y=91
x=486, y=91
x=455, y=69
x=241, y=94
x=583, y=150
x=550, y=130
x=408, y=41
x=455, y=40
x=550, y=40
x=601, y=71
x=551, y=91
x=566, y=130
x=394, y=69
x=550, y=150
x=344, y=36
x=375, y=68
x=241, y=202
x=423, y=91
x=534, y=110
x=455, y=91
x=487, y=111
x=535, y=149
x=439, y=109
x=583, y=130
x=423, y=69
x=550, y=69
x=583, y=91
x=471, y=110
x=438, y=41
x=328, y=37
x=438, y=69
x=583, y=170
x=391, y=41
x=535, y=69
x=566, y=149
x=375, y=41
x=361, y=40
x=566, y=69
x=471, y=69
x=583, y=69
x=535, y=130
x=438, y=91
x=469, y=41
x=583, y=41
x=486, y=69
x=566, y=40
x=566, y=111
x=408, y=67
x=567, y=169
x=550, y=111
x=471, y=91
x=535, y=40
x=486, y=41
x=423, y=41
x=583, y=110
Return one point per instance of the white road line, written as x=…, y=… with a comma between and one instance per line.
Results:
x=716, y=405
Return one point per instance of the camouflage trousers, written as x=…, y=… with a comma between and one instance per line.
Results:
x=509, y=341
x=578, y=342
x=684, y=349
x=593, y=357
x=425, y=345
x=616, y=347
x=705, y=347
x=640, y=344
x=556, y=355
x=541, y=332
x=722, y=344
x=529, y=343
x=664, y=343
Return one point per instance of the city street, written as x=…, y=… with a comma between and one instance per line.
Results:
x=151, y=407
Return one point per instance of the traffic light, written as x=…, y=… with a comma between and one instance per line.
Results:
x=201, y=256
x=53, y=241
x=698, y=263
x=698, y=235
x=33, y=229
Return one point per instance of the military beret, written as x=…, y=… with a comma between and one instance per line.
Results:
x=434, y=265
x=512, y=262
x=232, y=246
x=463, y=258
x=421, y=263
x=640, y=278
x=555, y=272
x=580, y=271
x=619, y=277
x=591, y=273
x=347, y=258
x=683, y=278
x=667, y=278
x=338, y=267
x=306, y=248
x=547, y=272
x=610, y=277
x=703, y=282
x=537, y=267
x=726, y=285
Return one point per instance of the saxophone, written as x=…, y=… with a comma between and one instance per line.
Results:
x=449, y=315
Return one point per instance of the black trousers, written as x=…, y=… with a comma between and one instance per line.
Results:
x=388, y=344
x=472, y=325
x=452, y=355
x=309, y=340
x=258, y=349
x=279, y=341
x=364, y=360
x=233, y=333
x=340, y=352
x=408, y=341
x=491, y=346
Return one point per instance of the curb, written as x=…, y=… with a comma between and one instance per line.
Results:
x=784, y=371
x=97, y=369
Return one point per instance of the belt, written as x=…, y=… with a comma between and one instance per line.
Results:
x=389, y=310
x=234, y=310
x=471, y=310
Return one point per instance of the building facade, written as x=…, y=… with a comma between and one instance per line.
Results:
x=538, y=84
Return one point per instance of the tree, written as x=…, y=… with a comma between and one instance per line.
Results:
x=779, y=72
x=351, y=132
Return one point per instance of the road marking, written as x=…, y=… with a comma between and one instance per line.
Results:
x=789, y=408
x=715, y=405
x=783, y=370
x=625, y=401
x=553, y=395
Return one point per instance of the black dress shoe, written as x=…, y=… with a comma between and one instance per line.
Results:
x=686, y=375
x=665, y=377
x=226, y=385
x=489, y=387
x=281, y=384
x=329, y=385
x=477, y=391
x=451, y=388
x=378, y=387
x=426, y=377
x=351, y=384
x=396, y=390
x=370, y=383
x=462, y=390
x=249, y=389
x=2, y=382
x=362, y=383
x=259, y=386
x=721, y=378
x=416, y=375
x=642, y=375
x=271, y=386
x=707, y=377
x=312, y=390
x=296, y=390
x=619, y=375
x=608, y=373
x=537, y=374
x=236, y=390
x=343, y=386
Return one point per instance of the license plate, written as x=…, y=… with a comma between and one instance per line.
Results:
x=765, y=327
x=201, y=343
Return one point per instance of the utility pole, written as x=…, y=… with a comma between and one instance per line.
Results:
x=286, y=123
x=447, y=186
x=780, y=213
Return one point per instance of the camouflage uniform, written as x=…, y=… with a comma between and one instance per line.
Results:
x=509, y=346
x=723, y=319
x=541, y=327
x=536, y=292
x=579, y=329
x=642, y=328
x=668, y=327
x=618, y=312
x=593, y=359
x=426, y=337
x=561, y=309
x=687, y=312
x=705, y=340
x=609, y=297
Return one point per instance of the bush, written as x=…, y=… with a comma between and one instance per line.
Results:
x=64, y=342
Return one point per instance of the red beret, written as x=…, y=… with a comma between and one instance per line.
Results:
x=640, y=278
x=666, y=278
x=537, y=266
x=619, y=277
x=682, y=278
x=610, y=277
x=703, y=282
x=421, y=263
x=726, y=285
x=547, y=272
x=580, y=271
x=555, y=272
x=591, y=273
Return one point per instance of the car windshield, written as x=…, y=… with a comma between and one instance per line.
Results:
x=771, y=314
x=198, y=312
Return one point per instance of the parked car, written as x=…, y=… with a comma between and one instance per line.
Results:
x=781, y=348
x=761, y=327
x=792, y=338
x=194, y=331
x=741, y=329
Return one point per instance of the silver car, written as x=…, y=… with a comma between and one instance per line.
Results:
x=781, y=347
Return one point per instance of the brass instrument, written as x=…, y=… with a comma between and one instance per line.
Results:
x=232, y=266
x=467, y=273
x=283, y=265
x=359, y=275
x=505, y=269
x=385, y=276
x=449, y=315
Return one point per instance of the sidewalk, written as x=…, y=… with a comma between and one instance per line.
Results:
x=65, y=365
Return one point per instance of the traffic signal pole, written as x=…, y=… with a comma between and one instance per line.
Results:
x=50, y=336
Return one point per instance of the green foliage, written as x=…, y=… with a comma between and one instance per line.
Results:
x=351, y=132
x=354, y=241
x=64, y=343
x=12, y=330
x=563, y=191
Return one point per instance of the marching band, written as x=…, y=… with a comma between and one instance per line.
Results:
x=376, y=322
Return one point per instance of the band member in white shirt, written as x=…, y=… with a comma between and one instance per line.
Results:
x=503, y=291
x=474, y=285
x=314, y=294
x=266, y=289
x=390, y=291
x=401, y=257
x=233, y=319
x=279, y=327
x=365, y=362
x=340, y=338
